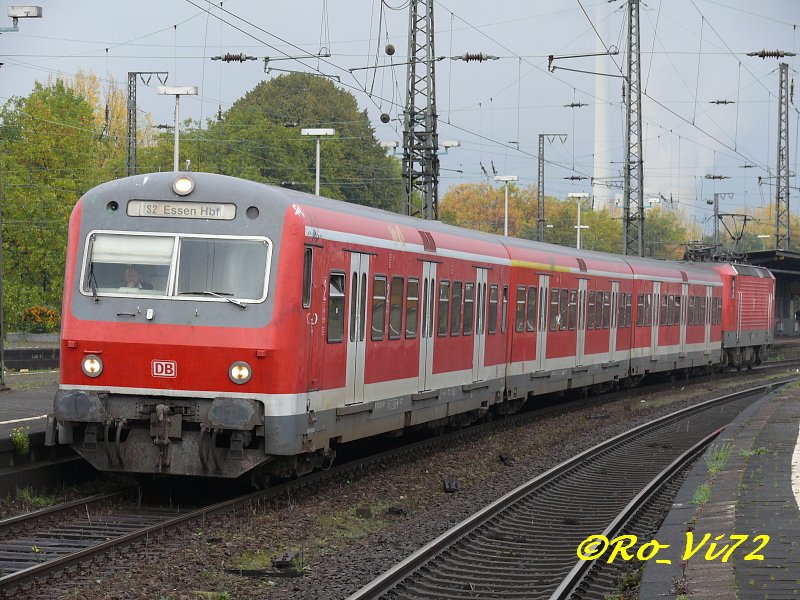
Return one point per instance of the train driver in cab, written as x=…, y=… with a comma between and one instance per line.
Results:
x=134, y=279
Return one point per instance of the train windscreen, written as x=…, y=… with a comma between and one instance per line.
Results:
x=176, y=266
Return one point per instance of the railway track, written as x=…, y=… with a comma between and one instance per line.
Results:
x=48, y=545
x=524, y=544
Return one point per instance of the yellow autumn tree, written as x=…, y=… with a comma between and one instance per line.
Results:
x=482, y=207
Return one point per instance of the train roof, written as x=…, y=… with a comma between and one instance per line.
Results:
x=358, y=220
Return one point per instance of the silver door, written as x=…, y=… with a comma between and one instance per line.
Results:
x=541, y=334
x=427, y=326
x=682, y=320
x=656, y=308
x=479, y=348
x=356, y=344
x=581, y=321
x=612, y=336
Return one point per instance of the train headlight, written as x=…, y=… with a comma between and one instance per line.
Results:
x=183, y=186
x=92, y=365
x=240, y=372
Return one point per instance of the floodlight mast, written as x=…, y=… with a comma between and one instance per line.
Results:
x=21, y=12
x=177, y=91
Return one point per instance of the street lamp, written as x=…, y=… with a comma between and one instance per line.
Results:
x=580, y=197
x=21, y=12
x=505, y=179
x=16, y=13
x=317, y=133
x=177, y=91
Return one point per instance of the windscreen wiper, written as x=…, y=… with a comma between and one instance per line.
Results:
x=93, y=282
x=224, y=295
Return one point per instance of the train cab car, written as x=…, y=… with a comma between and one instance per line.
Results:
x=747, y=313
x=214, y=326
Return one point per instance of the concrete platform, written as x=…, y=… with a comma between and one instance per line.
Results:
x=27, y=403
x=756, y=493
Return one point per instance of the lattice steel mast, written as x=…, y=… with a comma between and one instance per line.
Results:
x=633, y=218
x=420, y=140
x=130, y=148
x=782, y=231
x=540, y=218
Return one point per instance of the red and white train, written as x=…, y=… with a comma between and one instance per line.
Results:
x=264, y=326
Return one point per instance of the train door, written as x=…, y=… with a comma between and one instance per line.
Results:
x=655, y=314
x=312, y=273
x=541, y=333
x=682, y=317
x=612, y=334
x=581, y=321
x=707, y=317
x=356, y=344
x=479, y=349
x=426, y=328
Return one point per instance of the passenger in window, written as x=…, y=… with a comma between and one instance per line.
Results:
x=134, y=280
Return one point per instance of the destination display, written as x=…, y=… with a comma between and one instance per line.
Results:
x=181, y=210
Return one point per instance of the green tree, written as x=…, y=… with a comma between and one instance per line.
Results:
x=259, y=138
x=50, y=148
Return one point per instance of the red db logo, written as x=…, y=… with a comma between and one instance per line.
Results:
x=165, y=368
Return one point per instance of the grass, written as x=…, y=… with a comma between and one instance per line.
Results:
x=757, y=451
x=20, y=440
x=702, y=494
x=29, y=498
x=717, y=456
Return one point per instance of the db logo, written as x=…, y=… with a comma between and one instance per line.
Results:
x=165, y=368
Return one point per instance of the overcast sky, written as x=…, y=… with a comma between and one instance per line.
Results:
x=693, y=53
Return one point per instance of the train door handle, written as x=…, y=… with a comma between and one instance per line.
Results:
x=312, y=318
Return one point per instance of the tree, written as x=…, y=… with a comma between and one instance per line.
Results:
x=50, y=156
x=259, y=138
x=482, y=207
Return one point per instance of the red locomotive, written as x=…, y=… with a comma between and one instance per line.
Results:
x=214, y=326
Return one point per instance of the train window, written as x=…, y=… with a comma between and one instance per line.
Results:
x=705, y=310
x=412, y=307
x=690, y=311
x=563, y=306
x=648, y=310
x=396, y=308
x=353, y=305
x=640, y=310
x=590, y=312
x=554, y=312
x=480, y=310
x=598, y=311
x=307, y=257
x=221, y=267
x=444, y=308
x=378, y=308
x=628, y=302
x=469, y=301
x=664, y=308
x=572, y=311
x=621, y=310
x=493, y=302
x=504, y=318
x=519, y=320
x=336, y=308
x=678, y=313
x=606, y=309
x=455, y=309
x=530, y=309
